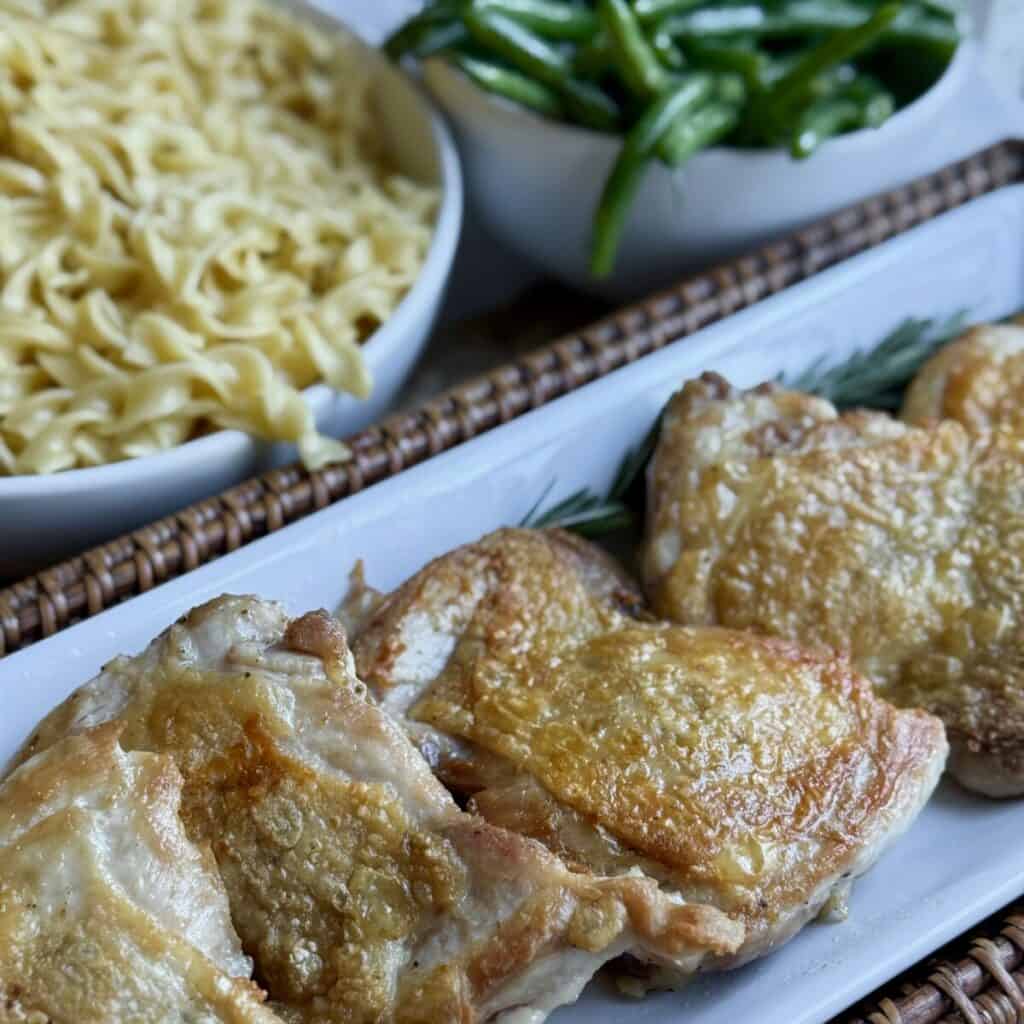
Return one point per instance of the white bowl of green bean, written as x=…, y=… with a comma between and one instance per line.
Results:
x=620, y=181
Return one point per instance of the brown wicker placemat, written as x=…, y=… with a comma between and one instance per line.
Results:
x=976, y=979
x=83, y=586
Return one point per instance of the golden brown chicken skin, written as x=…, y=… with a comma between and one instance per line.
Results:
x=107, y=912
x=977, y=380
x=902, y=547
x=360, y=889
x=734, y=769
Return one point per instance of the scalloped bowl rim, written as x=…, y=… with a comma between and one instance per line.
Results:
x=221, y=446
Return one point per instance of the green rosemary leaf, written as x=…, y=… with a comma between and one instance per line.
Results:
x=527, y=520
x=876, y=377
x=597, y=522
x=583, y=512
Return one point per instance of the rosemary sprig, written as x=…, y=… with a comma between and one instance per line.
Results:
x=590, y=515
x=876, y=377
x=873, y=377
x=583, y=512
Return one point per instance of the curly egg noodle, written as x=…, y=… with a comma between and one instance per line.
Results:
x=195, y=223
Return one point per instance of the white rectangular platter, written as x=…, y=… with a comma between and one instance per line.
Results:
x=965, y=856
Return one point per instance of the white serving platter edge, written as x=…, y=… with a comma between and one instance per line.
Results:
x=963, y=859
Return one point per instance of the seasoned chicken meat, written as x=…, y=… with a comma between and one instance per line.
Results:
x=107, y=912
x=977, y=380
x=902, y=547
x=361, y=890
x=733, y=769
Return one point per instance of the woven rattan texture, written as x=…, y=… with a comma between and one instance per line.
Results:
x=84, y=586
x=978, y=980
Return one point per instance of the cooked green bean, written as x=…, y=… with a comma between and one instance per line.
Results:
x=534, y=56
x=517, y=44
x=406, y=39
x=590, y=105
x=511, y=85
x=730, y=89
x=638, y=148
x=594, y=57
x=550, y=18
x=777, y=103
x=652, y=10
x=877, y=103
x=820, y=121
x=877, y=110
x=809, y=18
x=635, y=59
x=679, y=75
x=704, y=127
x=439, y=39
x=913, y=28
x=667, y=52
x=753, y=65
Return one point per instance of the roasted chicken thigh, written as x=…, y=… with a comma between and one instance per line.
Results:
x=899, y=546
x=735, y=770
x=977, y=380
x=107, y=912
x=361, y=890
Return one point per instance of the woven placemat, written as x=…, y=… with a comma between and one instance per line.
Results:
x=976, y=979
x=83, y=586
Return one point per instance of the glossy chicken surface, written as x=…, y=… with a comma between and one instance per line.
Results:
x=107, y=911
x=902, y=547
x=359, y=888
x=733, y=769
x=977, y=380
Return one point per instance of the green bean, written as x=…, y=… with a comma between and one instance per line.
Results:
x=716, y=21
x=689, y=73
x=832, y=81
x=634, y=58
x=511, y=85
x=912, y=25
x=945, y=8
x=913, y=28
x=667, y=52
x=877, y=110
x=594, y=57
x=704, y=127
x=619, y=190
x=538, y=59
x=652, y=10
x=590, y=105
x=550, y=18
x=794, y=87
x=751, y=64
x=407, y=38
x=730, y=89
x=822, y=120
x=876, y=102
x=512, y=41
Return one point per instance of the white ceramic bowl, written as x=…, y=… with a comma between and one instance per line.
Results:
x=536, y=183
x=44, y=518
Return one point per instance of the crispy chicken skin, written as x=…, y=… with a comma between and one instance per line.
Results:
x=358, y=886
x=977, y=380
x=733, y=769
x=902, y=547
x=107, y=911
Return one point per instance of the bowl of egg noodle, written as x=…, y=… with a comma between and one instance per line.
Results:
x=227, y=230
